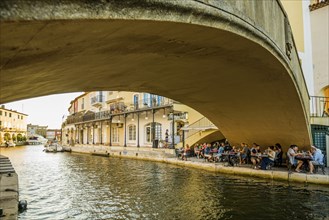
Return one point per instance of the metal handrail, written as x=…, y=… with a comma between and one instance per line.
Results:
x=201, y=124
x=120, y=108
x=319, y=106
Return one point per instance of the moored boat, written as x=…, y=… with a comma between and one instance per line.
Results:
x=53, y=148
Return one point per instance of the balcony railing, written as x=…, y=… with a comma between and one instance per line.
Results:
x=120, y=108
x=319, y=106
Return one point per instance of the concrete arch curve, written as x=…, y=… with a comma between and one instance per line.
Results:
x=233, y=61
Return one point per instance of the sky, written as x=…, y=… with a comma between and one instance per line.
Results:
x=45, y=110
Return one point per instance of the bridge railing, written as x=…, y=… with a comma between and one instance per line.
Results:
x=319, y=106
x=200, y=125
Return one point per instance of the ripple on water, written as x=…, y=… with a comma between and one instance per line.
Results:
x=73, y=186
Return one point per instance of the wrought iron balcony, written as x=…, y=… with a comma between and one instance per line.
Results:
x=120, y=108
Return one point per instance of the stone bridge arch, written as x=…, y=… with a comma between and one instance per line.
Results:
x=233, y=61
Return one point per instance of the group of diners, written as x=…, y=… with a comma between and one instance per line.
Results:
x=305, y=160
x=266, y=159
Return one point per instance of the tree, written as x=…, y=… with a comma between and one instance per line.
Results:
x=19, y=137
x=7, y=137
x=14, y=138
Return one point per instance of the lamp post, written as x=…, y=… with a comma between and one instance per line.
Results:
x=173, y=130
x=61, y=141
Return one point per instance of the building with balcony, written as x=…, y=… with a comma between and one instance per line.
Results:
x=12, y=125
x=319, y=17
x=53, y=134
x=36, y=130
x=116, y=118
x=310, y=27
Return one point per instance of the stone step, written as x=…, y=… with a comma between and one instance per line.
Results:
x=4, y=171
x=6, y=168
x=4, y=160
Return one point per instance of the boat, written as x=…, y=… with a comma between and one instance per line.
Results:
x=53, y=148
x=36, y=140
x=11, y=144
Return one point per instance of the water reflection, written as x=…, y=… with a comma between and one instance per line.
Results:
x=76, y=186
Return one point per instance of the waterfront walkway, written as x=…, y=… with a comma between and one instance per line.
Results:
x=8, y=189
x=168, y=156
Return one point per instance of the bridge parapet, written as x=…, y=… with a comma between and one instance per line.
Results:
x=265, y=19
x=229, y=41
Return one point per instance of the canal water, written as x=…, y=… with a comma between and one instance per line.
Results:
x=80, y=186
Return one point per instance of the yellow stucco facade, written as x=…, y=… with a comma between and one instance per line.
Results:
x=12, y=125
x=294, y=10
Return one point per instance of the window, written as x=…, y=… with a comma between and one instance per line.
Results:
x=83, y=103
x=147, y=100
x=135, y=100
x=9, y=114
x=132, y=132
x=22, y=117
x=18, y=116
x=0, y=112
x=5, y=113
x=115, y=135
x=149, y=133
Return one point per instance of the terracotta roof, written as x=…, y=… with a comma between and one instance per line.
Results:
x=318, y=4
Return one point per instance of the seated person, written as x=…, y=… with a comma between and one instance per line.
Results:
x=279, y=153
x=270, y=159
x=317, y=158
x=255, y=151
x=203, y=147
x=244, y=153
x=197, y=150
x=186, y=152
x=292, y=153
x=207, y=154
x=220, y=151
x=227, y=148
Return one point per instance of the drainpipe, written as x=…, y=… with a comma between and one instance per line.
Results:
x=173, y=130
x=125, y=116
x=138, y=129
x=101, y=132
x=110, y=131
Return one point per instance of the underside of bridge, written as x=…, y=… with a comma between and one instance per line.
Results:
x=236, y=81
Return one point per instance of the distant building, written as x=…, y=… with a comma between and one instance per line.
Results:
x=36, y=129
x=12, y=125
x=53, y=134
x=132, y=119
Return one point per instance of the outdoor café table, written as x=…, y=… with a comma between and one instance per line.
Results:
x=260, y=155
x=212, y=152
x=229, y=157
x=305, y=159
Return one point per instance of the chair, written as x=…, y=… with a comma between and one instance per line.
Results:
x=289, y=165
x=316, y=167
x=270, y=165
x=278, y=159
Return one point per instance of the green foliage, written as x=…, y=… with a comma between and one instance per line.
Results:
x=14, y=137
x=7, y=137
x=19, y=137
